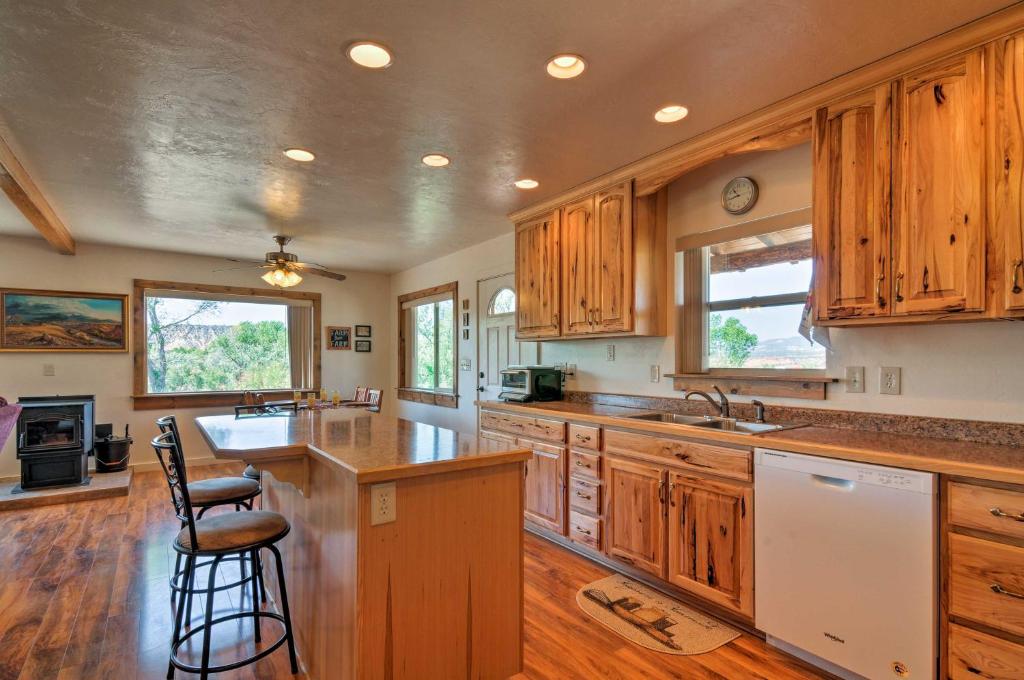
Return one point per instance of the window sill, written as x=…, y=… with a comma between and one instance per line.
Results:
x=757, y=382
x=420, y=396
x=170, y=401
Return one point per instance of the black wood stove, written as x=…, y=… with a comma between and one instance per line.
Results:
x=55, y=440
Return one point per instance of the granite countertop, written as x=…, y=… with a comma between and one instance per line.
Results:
x=372, y=446
x=948, y=456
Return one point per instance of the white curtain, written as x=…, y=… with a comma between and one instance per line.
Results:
x=300, y=346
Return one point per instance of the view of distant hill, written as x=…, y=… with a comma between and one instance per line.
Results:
x=192, y=336
x=792, y=352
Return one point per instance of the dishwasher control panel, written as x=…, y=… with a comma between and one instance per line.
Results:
x=846, y=473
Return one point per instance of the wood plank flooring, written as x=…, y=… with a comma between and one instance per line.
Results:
x=83, y=594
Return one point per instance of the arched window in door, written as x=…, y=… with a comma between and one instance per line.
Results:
x=502, y=302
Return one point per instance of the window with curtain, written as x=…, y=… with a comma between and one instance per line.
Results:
x=427, y=338
x=205, y=340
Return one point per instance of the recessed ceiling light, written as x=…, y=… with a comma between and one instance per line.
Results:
x=566, y=66
x=436, y=160
x=527, y=183
x=671, y=113
x=369, y=54
x=301, y=155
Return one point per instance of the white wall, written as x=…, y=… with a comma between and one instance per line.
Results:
x=952, y=370
x=30, y=263
x=468, y=266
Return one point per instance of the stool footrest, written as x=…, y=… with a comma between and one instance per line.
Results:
x=188, y=668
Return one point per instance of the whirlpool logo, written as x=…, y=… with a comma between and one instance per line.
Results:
x=834, y=638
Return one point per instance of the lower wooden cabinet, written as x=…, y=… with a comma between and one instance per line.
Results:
x=973, y=654
x=635, y=498
x=710, y=540
x=544, y=502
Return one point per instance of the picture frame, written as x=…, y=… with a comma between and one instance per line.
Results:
x=63, y=321
x=339, y=337
x=465, y=304
x=465, y=318
x=465, y=334
x=363, y=331
x=363, y=346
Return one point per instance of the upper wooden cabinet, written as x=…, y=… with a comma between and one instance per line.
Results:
x=1007, y=168
x=852, y=141
x=612, y=279
x=538, y=280
x=939, y=188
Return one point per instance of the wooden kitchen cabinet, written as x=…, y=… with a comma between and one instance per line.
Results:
x=939, y=221
x=1007, y=168
x=538, y=279
x=711, y=540
x=635, y=496
x=544, y=502
x=852, y=143
x=579, y=255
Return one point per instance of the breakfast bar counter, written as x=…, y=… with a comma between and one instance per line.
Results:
x=434, y=591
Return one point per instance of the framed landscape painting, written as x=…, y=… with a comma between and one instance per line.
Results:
x=56, y=321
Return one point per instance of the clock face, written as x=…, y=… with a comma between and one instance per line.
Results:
x=739, y=195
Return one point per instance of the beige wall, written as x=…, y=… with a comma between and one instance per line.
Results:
x=953, y=370
x=30, y=263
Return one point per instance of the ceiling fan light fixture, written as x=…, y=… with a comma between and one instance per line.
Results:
x=369, y=54
x=301, y=155
x=564, y=66
x=282, y=277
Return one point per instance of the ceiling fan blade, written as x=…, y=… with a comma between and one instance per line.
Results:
x=234, y=269
x=326, y=274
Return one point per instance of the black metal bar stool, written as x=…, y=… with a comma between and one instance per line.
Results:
x=220, y=537
x=206, y=494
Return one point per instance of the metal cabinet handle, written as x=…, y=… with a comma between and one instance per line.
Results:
x=582, y=437
x=899, y=287
x=583, y=531
x=580, y=463
x=999, y=513
x=661, y=492
x=1018, y=265
x=878, y=289
x=584, y=496
x=999, y=590
x=554, y=319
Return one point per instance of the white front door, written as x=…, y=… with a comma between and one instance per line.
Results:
x=497, y=346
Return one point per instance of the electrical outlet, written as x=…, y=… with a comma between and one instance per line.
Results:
x=611, y=352
x=889, y=380
x=854, y=379
x=382, y=504
x=48, y=369
x=655, y=373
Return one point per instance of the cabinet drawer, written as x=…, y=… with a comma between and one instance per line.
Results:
x=974, y=655
x=585, y=530
x=540, y=428
x=981, y=507
x=585, y=464
x=584, y=436
x=986, y=582
x=695, y=456
x=498, y=436
x=585, y=496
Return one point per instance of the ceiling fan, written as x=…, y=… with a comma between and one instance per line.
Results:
x=284, y=269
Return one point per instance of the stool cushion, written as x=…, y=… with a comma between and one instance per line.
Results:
x=232, y=531
x=222, y=490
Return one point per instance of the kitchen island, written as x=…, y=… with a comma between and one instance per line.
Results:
x=434, y=591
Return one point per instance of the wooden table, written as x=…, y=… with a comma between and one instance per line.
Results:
x=437, y=593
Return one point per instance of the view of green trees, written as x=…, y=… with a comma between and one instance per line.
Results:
x=187, y=357
x=434, y=361
x=730, y=341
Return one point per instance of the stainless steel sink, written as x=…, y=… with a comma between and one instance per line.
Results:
x=712, y=422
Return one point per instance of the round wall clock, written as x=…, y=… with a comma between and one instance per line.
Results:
x=739, y=195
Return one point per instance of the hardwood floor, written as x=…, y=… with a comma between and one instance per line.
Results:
x=83, y=594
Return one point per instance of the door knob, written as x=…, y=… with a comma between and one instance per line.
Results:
x=480, y=389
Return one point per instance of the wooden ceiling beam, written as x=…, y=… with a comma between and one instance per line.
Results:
x=26, y=196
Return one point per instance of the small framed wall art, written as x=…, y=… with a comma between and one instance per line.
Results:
x=363, y=331
x=339, y=337
x=363, y=345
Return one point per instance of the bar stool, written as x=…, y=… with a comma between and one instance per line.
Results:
x=219, y=537
x=206, y=494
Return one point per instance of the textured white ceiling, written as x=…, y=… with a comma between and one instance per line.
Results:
x=160, y=123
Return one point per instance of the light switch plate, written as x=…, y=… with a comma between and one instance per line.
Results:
x=49, y=370
x=655, y=373
x=383, y=508
x=854, y=379
x=889, y=380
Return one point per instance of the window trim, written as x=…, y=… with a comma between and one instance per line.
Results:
x=692, y=371
x=143, y=400
x=436, y=397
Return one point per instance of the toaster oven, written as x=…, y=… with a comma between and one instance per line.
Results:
x=531, y=383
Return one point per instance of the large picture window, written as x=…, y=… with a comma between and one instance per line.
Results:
x=427, y=341
x=210, y=343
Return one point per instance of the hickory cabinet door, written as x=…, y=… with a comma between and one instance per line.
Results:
x=544, y=501
x=537, y=277
x=711, y=540
x=1008, y=166
x=612, y=284
x=635, y=511
x=580, y=243
x=939, y=211
x=851, y=206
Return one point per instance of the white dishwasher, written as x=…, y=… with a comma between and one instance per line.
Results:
x=845, y=572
